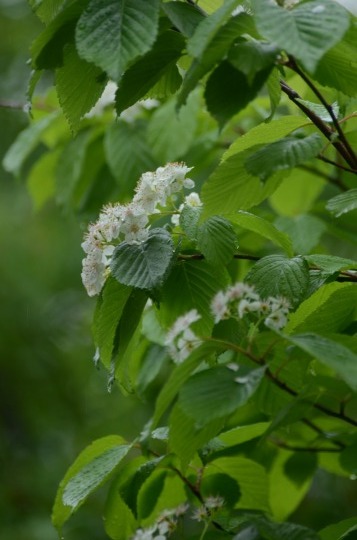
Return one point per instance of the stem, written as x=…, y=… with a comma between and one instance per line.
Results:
x=320, y=124
x=281, y=384
x=295, y=67
x=338, y=165
x=336, y=181
x=315, y=449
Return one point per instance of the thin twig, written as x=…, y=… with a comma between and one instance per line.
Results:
x=292, y=64
x=315, y=449
x=335, y=181
x=335, y=164
x=329, y=133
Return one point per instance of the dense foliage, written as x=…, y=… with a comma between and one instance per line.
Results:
x=229, y=310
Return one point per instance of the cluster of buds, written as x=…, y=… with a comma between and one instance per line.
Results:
x=210, y=506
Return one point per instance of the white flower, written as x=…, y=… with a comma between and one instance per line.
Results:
x=219, y=307
x=180, y=339
x=134, y=219
x=193, y=200
x=214, y=502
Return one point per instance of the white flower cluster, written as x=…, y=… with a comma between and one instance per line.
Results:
x=129, y=222
x=193, y=200
x=180, y=339
x=240, y=299
x=210, y=506
x=163, y=527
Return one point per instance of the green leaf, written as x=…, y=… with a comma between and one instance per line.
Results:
x=171, y=133
x=307, y=32
x=119, y=521
x=41, y=180
x=47, y=49
x=204, y=395
x=111, y=449
x=128, y=153
x=217, y=240
x=197, y=282
x=47, y=10
x=280, y=483
x=93, y=475
x=231, y=187
x=320, y=110
x=70, y=166
x=297, y=193
x=161, y=491
x=25, y=143
x=284, y=154
x=142, y=76
x=127, y=351
x=335, y=531
x=331, y=263
x=185, y=17
x=262, y=227
x=343, y=203
x=265, y=133
x=251, y=478
x=144, y=265
x=276, y=275
x=180, y=375
x=304, y=230
x=113, y=33
x=274, y=90
x=285, y=531
x=250, y=57
x=329, y=309
x=107, y=316
x=338, y=67
x=235, y=88
x=79, y=85
x=186, y=437
x=348, y=458
x=209, y=27
x=242, y=434
x=189, y=218
x=214, y=52
x=330, y=353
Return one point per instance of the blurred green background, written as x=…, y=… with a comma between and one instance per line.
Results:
x=53, y=400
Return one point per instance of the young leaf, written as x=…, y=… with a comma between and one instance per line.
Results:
x=142, y=76
x=343, y=203
x=331, y=263
x=144, y=265
x=119, y=521
x=306, y=32
x=276, y=275
x=113, y=33
x=284, y=154
x=189, y=218
x=262, y=227
x=330, y=353
x=217, y=240
x=204, y=395
x=79, y=85
x=108, y=451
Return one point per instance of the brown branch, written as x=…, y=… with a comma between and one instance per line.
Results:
x=335, y=164
x=292, y=64
x=329, y=133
